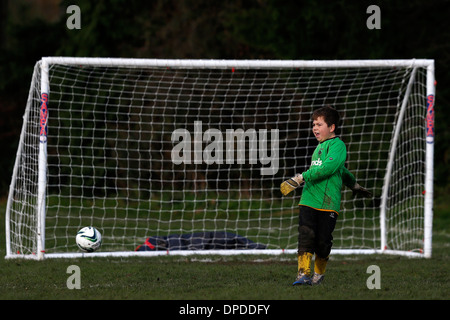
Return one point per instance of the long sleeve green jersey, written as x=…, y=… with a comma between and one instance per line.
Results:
x=324, y=178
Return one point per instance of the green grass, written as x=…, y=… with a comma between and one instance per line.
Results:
x=175, y=278
x=234, y=278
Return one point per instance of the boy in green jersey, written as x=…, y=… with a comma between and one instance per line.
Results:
x=321, y=197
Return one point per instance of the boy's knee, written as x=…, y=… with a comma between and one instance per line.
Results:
x=306, y=239
x=323, y=249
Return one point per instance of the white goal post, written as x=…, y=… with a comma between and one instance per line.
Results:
x=142, y=148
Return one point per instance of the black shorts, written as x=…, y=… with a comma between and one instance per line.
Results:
x=315, y=228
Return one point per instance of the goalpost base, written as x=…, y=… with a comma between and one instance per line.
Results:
x=130, y=254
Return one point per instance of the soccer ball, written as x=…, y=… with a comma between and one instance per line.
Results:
x=89, y=239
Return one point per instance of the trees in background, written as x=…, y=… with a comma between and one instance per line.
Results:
x=263, y=29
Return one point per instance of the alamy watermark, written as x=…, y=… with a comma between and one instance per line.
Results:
x=74, y=20
x=74, y=280
x=221, y=148
x=373, y=281
x=374, y=20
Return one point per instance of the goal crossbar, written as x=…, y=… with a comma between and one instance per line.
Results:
x=205, y=63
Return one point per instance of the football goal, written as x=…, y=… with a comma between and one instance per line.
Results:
x=174, y=149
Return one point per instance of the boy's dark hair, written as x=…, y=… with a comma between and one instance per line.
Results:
x=330, y=116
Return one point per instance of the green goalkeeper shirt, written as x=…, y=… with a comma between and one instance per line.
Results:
x=324, y=178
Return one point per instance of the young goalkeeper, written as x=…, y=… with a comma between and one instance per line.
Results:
x=321, y=197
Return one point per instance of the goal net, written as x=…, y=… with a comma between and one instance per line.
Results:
x=142, y=148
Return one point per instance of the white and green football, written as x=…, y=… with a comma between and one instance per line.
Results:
x=89, y=239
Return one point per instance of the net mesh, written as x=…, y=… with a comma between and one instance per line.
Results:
x=156, y=151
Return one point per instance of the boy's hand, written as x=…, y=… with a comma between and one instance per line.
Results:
x=291, y=184
x=358, y=190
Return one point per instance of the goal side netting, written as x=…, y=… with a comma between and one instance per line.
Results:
x=175, y=150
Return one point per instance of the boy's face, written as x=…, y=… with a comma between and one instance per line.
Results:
x=321, y=130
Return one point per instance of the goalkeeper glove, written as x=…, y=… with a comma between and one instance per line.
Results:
x=291, y=184
x=357, y=189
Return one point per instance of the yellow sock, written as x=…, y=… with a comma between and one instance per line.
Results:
x=304, y=263
x=320, y=264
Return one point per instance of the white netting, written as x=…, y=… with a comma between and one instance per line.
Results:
x=140, y=151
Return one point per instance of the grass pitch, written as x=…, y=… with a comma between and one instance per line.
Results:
x=230, y=278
